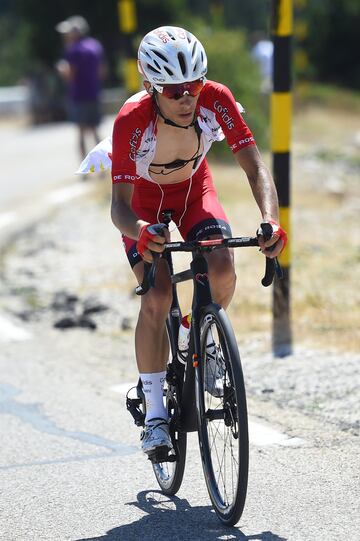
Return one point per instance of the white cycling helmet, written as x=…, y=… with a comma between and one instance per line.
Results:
x=171, y=55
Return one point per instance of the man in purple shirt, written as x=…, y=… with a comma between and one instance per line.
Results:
x=83, y=68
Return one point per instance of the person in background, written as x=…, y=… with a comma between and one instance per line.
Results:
x=83, y=68
x=262, y=52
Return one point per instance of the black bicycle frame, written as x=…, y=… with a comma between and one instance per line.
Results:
x=180, y=375
x=201, y=297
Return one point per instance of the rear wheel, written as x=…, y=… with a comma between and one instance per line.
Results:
x=222, y=416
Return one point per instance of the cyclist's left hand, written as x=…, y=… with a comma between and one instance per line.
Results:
x=152, y=237
x=277, y=242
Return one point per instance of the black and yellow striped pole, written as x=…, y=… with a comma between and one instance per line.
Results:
x=281, y=109
x=128, y=26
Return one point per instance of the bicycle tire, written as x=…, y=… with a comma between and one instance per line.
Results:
x=222, y=420
x=169, y=475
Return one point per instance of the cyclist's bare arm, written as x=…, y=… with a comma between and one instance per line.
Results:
x=130, y=225
x=261, y=182
x=121, y=213
x=264, y=191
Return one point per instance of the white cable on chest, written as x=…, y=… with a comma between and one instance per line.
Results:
x=185, y=204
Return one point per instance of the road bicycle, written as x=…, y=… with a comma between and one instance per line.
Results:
x=205, y=392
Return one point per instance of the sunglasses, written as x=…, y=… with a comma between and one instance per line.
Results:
x=175, y=92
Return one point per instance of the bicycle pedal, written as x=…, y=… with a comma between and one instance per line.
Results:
x=161, y=454
x=133, y=407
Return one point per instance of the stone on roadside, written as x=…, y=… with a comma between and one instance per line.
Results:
x=65, y=323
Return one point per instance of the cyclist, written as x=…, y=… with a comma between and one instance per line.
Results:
x=160, y=140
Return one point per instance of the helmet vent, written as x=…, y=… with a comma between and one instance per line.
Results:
x=168, y=71
x=182, y=63
x=161, y=56
x=153, y=69
x=194, y=50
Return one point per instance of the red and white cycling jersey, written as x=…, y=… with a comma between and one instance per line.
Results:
x=135, y=129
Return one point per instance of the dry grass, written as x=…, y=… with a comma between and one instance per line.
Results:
x=325, y=236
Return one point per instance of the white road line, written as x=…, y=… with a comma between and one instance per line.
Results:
x=262, y=436
x=56, y=197
x=64, y=194
x=259, y=434
x=9, y=332
x=7, y=218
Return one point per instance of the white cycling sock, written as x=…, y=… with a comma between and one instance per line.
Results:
x=153, y=385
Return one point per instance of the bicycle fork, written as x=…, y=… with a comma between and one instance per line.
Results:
x=194, y=373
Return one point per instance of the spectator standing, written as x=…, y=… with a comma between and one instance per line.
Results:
x=83, y=69
x=262, y=52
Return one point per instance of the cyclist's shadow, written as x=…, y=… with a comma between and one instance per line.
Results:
x=170, y=518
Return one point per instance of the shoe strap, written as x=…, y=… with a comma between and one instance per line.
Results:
x=151, y=424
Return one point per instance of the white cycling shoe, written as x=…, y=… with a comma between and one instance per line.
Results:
x=155, y=435
x=214, y=372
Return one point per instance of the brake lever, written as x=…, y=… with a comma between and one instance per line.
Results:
x=149, y=275
x=150, y=268
x=272, y=265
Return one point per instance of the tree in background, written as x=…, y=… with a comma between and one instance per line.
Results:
x=331, y=44
x=41, y=17
x=30, y=45
x=14, y=50
x=333, y=41
x=230, y=63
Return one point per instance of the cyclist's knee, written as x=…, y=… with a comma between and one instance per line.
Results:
x=155, y=305
x=221, y=265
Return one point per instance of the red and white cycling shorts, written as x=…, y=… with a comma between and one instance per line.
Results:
x=204, y=215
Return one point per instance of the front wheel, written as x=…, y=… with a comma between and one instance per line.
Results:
x=222, y=416
x=170, y=472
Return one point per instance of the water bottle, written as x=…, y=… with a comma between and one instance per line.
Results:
x=184, y=338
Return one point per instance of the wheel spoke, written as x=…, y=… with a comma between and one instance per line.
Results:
x=224, y=424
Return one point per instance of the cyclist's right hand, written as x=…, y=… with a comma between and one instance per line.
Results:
x=152, y=237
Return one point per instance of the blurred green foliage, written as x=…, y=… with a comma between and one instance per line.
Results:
x=333, y=43
x=14, y=50
x=45, y=44
x=230, y=63
x=28, y=38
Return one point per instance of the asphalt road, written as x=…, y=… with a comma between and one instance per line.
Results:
x=70, y=461
x=37, y=159
x=71, y=467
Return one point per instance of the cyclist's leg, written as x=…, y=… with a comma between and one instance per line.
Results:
x=152, y=349
x=222, y=274
x=151, y=343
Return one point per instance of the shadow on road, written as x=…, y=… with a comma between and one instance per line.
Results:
x=174, y=519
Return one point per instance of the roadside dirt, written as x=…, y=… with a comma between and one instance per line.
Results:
x=324, y=237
